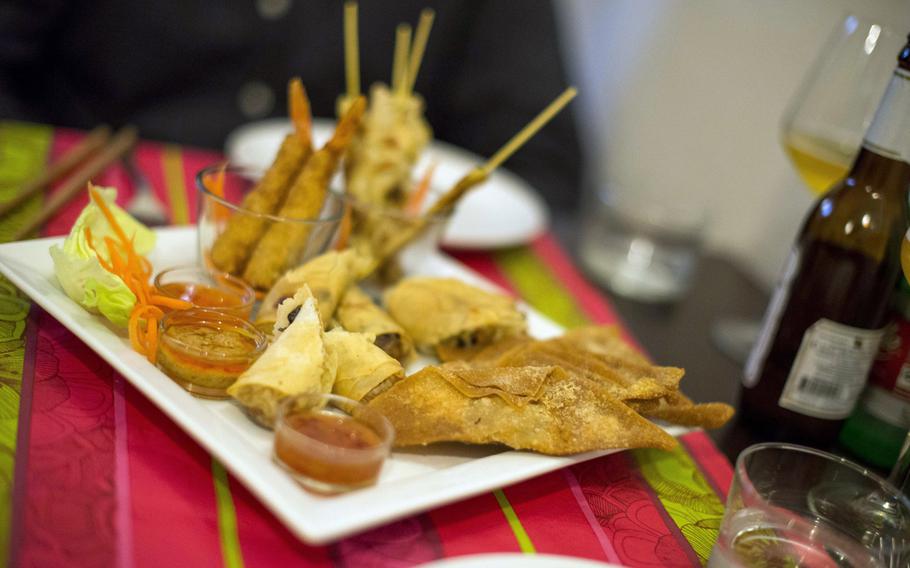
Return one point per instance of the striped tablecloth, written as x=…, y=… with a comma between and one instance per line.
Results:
x=92, y=474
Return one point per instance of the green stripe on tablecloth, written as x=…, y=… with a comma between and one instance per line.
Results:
x=172, y=162
x=23, y=154
x=537, y=286
x=685, y=494
x=227, y=518
x=524, y=541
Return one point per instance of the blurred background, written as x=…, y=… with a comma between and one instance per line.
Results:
x=684, y=98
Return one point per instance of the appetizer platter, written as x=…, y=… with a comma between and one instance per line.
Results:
x=412, y=480
x=318, y=344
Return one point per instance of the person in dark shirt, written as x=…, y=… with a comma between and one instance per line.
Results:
x=191, y=71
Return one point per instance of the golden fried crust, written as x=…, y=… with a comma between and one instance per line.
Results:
x=357, y=312
x=677, y=408
x=233, y=247
x=533, y=408
x=435, y=310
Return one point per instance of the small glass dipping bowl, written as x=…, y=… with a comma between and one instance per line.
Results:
x=232, y=238
x=204, y=351
x=329, y=443
x=207, y=289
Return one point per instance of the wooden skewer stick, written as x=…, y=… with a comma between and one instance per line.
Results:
x=400, y=63
x=472, y=179
x=94, y=140
x=351, y=50
x=421, y=35
x=479, y=174
x=120, y=144
x=530, y=130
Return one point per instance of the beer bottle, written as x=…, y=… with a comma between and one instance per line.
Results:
x=824, y=323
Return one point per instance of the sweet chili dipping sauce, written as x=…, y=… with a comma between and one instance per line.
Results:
x=331, y=444
x=207, y=289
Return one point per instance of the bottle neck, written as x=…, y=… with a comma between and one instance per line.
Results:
x=889, y=135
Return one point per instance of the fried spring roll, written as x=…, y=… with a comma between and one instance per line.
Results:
x=305, y=199
x=328, y=276
x=357, y=312
x=363, y=369
x=233, y=247
x=450, y=315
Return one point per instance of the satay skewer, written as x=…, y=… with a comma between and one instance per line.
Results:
x=421, y=35
x=351, y=50
x=474, y=178
x=400, y=61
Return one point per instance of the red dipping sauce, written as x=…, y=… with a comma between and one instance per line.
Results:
x=331, y=449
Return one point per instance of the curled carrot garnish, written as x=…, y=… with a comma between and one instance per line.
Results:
x=417, y=197
x=134, y=270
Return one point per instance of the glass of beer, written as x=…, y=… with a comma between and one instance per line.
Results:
x=824, y=124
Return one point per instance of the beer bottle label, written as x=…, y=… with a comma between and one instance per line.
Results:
x=830, y=370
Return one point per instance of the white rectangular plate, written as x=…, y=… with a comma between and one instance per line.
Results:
x=411, y=481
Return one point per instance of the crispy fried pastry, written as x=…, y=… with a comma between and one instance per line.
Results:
x=296, y=362
x=357, y=312
x=534, y=408
x=363, y=369
x=448, y=314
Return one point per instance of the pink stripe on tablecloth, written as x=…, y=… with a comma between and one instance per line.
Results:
x=630, y=514
x=194, y=159
x=68, y=516
x=598, y=531
x=713, y=464
x=264, y=541
x=473, y=526
x=115, y=176
x=404, y=543
x=484, y=264
x=124, y=521
x=174, y=515
x=551, y=517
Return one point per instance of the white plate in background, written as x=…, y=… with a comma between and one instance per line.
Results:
x=505, y=211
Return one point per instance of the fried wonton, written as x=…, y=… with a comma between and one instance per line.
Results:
x=357, y=312
x=448, y=315
x=296, y=362
x=533, y=408
x=677, y=408
x=363, y=370
x=624, y=379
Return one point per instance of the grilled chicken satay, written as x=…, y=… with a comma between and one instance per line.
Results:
x=382, y=157
x=305, y=198
x=233, y=247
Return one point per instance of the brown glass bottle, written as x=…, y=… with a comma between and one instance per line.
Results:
x=822, y=328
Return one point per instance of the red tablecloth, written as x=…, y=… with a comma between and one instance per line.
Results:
x=94, y=475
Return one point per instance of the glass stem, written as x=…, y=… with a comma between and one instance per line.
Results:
x=900, y=474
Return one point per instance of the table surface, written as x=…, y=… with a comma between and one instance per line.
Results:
x=102, y=477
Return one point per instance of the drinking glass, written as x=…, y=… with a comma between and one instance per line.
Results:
x=791, y=505
x=824, y=124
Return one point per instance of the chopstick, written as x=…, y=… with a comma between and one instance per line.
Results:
x=119, y=145
x=95, y=139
